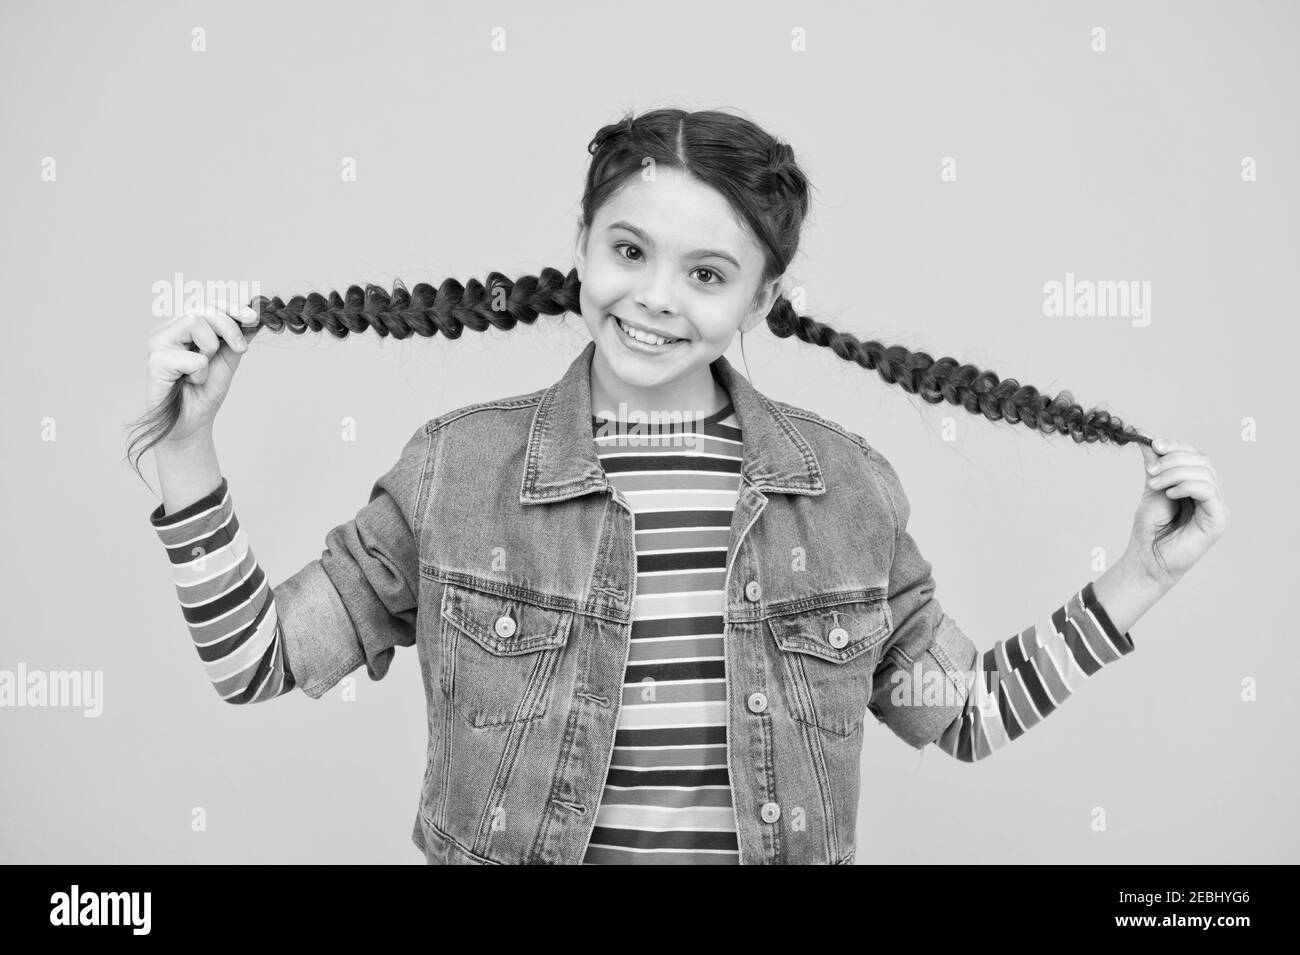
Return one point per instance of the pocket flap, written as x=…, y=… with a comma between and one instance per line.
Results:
x=836, y=633
x=504, y=626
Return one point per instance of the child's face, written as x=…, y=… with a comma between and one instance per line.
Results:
x=657, y=282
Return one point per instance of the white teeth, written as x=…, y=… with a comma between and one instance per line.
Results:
x=643, y=336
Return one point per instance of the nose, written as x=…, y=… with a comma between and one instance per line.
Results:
x=656, y=296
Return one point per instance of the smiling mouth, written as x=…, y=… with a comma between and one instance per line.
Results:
x=644, y=338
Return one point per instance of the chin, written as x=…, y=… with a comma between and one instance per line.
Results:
x=639, y=374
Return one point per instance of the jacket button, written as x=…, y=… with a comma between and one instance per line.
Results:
x=770, y=812
x=757, y=702
x=838, y=637
x=753, y=591
x=505, y=626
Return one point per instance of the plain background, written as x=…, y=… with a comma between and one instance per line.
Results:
x=1120, y=165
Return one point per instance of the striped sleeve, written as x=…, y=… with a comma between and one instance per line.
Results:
x=225, y=598
x=1022, y=680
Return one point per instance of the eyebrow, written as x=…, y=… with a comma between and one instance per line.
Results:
x=695, y=253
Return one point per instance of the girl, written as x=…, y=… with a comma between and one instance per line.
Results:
x=652, y=631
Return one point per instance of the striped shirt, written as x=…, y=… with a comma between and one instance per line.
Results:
x=667, y=795
x=1023, y=679
x=225, y=598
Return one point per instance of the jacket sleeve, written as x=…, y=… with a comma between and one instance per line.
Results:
x=351, y=606
x=933, y=684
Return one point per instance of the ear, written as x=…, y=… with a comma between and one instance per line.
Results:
x=579, y=250
x=764, y=305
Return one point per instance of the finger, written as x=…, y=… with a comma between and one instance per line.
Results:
x=250, y=322
x=199, y=374
x=1172, y=476
x=173, y=363
x=228, y=328
x=185, y=331
x=1149, y=457
x=1175, y=458
x=1207, y=496
x=1181, y=459
x=174, y=331
x=203, y=336
x=1165, y=445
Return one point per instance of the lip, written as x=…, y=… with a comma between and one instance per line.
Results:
x=643, y=328
x=641, y=348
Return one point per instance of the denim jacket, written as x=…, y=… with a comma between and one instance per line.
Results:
x=497, y=547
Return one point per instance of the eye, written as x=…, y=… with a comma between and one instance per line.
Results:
x=619, y=246
x=624, y=245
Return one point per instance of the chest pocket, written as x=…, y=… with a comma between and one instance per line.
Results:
x=499, y=655
x=828, y=655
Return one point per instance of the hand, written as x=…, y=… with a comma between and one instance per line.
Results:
x=203, y=347
x=1182, y=472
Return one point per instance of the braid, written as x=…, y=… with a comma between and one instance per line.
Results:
x=979, y=392
x=424, y=311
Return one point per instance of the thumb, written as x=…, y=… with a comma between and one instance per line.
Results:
x=1149, y=455
x=244, y=316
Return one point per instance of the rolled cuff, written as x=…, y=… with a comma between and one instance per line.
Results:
x=209, y=502
x=1123, y=642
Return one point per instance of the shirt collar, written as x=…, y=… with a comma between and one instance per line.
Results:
x=561, y=460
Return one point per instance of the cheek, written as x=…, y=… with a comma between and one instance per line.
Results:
x=593, y=306
x=601, y=287
x=717, y=328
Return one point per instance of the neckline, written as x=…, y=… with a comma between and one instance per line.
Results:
x=724, y=412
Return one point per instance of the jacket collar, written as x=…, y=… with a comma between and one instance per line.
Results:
x=561, y=460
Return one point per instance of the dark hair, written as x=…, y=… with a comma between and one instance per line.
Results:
x=759, y=177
